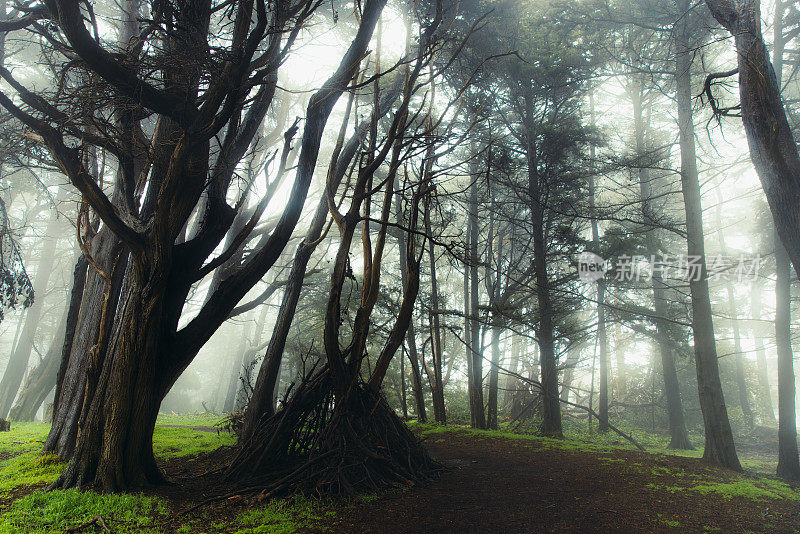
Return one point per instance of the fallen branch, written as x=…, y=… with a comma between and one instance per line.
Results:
x=96, y=520
x=588, y=410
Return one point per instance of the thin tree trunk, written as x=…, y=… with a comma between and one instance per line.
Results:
x=788, y=462
x=679, y=437
x=437, y=386
x=741, y=383
x=494, y=376
x=765, y=394
x=18, y=362
x=411, y=337
x=551, y=405
x=477, y=414
x=719, y=446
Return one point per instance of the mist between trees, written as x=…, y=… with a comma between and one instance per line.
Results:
x=321, y=219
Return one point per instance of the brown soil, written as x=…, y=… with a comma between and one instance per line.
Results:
x=501, y=485
x=494, y=484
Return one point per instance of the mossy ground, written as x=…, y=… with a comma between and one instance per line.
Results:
x=26, y=509
x=754, y=485
x=179, y=438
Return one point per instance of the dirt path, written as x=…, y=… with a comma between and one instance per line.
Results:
x=501, y=485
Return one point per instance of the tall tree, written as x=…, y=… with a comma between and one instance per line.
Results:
x=18, y=362
x=719, y=446
x=204, y=91
x=772, y=146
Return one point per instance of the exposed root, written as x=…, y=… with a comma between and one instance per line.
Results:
x=325, y=448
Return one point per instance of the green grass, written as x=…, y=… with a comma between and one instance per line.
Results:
x=24, y=466
x=23, y=437
x=181, y=442
x=279, y=516
x=54, y=511
x=427, y=430
x=666, y=477
x=754, y=489
x=201, y=419
x=44, y=513
x=27, y=469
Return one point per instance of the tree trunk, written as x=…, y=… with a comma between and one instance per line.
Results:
x=114, y=449
x=41, y=380
x=18, y=362
x=83, y=344
x=788, y=462
x=602, y=340
x=475, y=352
x=551, y=406
x=679, y=437
x=769, y=136
x=411, y=337
x=494, y=377
x=765, y=393
x=437, y=385
x=719, y=446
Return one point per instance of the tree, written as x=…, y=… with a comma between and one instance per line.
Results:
x=336, y=419
x=775, y=157
x=679, y=437
x=719, y=446
x=196, y=92
x=18, y=363
x=772, y=146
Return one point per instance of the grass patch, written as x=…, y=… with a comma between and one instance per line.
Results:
x=200, y=419
x=23, y=437
x=279, y=516
x=180, y=442
x=54, y=511
x=24, y=465
x=428, y=429
x=760, y=489
x=28, y=469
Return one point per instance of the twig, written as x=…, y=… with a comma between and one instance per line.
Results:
x=96, y=520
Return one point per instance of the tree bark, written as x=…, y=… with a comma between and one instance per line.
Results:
x=475, y=352
x=788, y=460
x=437, y=385
x=719, y=446
x=769, y=136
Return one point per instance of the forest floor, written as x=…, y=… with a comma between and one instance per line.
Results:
x=491, y=482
